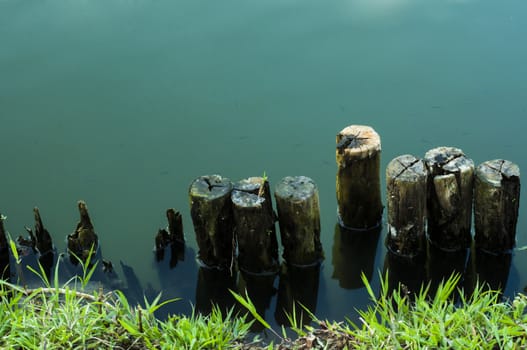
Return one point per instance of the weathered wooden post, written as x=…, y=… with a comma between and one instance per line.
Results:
x=42, y=242
x=358, y=177
x=406, y=181
x=496, y=203
x=299, y=220
x=84, y=238
x=211, y=212
x=449, y=203
x=5, y=273
x=254, y=223
x=172, y=236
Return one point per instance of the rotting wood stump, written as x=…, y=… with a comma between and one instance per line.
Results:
x=171, y=236
x=254, y=223
x=299, y=219
x=83, y=239
x=358, y=158
x=4, y=252
x=211, y=212
x=449, y=202
x=496, y=203
x=406, y=183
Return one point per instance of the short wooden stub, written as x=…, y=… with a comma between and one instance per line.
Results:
x=4, y=252
x=43, y=241
x=406, y=182
x=358, y=177
x=254, y=223
x=211, y=212
x=449, y=203
x=84, y=238
x=299, y=219
x=496, y=203
x=172, y=235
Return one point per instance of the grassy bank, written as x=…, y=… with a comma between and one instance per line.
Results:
x=64, y=317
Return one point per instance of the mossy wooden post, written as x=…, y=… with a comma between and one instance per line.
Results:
x=449, y=203
x=299, y=219
x=5, y=273
x=496, y=203
x=211, y=212
x=84, y=238
x=254, y=223
x=358, y=177
x=406, y=178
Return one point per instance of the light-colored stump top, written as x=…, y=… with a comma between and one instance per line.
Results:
x=406, y=168
x=296, y=188
x=246, y=199
x=495, y=171
x=449, y=159
x=210, y=186
x=357, y=142
x=249, y=184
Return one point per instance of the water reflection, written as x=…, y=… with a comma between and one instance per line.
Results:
x=353, y=254
x=491, y=269
x=213, y=289
x=443, y=264
x=406, y=273
x=298, y=288
x=261, y=290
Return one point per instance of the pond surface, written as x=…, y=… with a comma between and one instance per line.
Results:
x=123, y=103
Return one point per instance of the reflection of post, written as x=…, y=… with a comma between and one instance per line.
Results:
x=496, y=202
x=354, y=254
x=358, y=177
x=211, y=212
x=489, y=270
x=213, y=289
x=298, y=286
x=443, y=264
x=260, y=289
x=4, y=252
x=405, y=273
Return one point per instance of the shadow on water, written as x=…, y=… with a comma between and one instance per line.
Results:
x=260, y=289
x=353, y=254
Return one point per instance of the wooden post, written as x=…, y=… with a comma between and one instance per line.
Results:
x=254, y=223
x=358, y=177
x=83, y=238
x=171, y=236
x=5, y=273
x=406, y=179
x=175, y=225
x=211, y=212
x=449, y=203
x=299, y=219
x=43, y=243
x=496, y=203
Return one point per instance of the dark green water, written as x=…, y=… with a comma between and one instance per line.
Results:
x=123, y=103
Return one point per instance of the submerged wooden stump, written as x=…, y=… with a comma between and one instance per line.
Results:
x=43, y=241
x=358, y=177
x=84, y=238
x=172, y=235
x=299, y=219
x=406, y=179
x=449, y=203
x=211, y=212
x=496, y=203
x=254, y=223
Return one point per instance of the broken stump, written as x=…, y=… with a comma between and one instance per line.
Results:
x=83, y=239
x=358, y=178
x=5, y=273
x=254, y=223
x=211, y=212
x=496, y=203
x=299, y=219
x=449, y=202
x=406, y=180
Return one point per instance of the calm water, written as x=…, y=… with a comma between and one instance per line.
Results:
x=123, y=103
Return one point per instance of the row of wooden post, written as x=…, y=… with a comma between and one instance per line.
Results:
x=433, y=196
x=236, y=222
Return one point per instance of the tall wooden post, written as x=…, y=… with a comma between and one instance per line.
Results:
x=299, y=219
x=211, y=212
x=496, y=203
x=449, y=203
x=358, y=177
x=406, y=180
x=254, y=222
